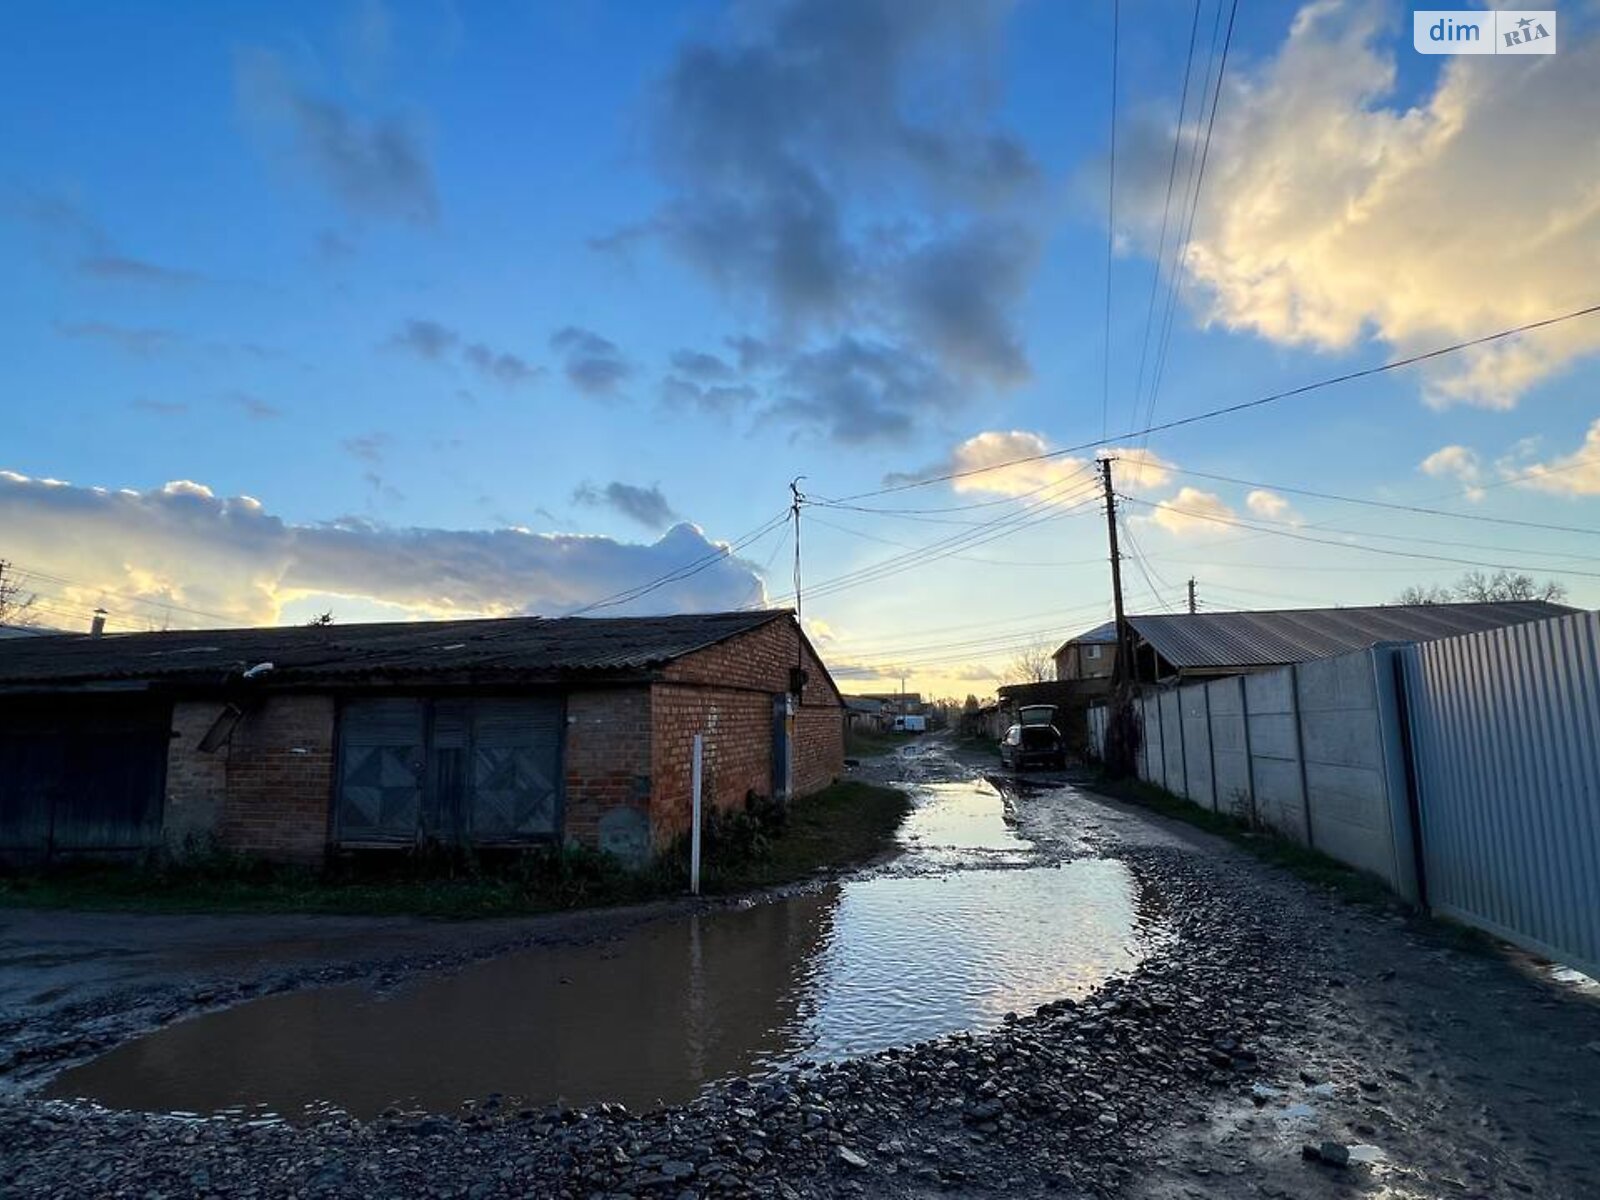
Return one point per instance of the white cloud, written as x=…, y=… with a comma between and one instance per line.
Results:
x=1575, y=474
x=184, y=546
x=1272, y=507
x=1456, y=462
x=1134, y=467
x=1332, y=214
x=820, y=631
x=1188, y=512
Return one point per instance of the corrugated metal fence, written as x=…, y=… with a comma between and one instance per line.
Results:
x=1464, y=772
x=1505, y=744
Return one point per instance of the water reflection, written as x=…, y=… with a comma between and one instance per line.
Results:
x=651, y=1017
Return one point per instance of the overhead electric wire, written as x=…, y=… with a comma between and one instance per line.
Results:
x=1301, y=537
x=1166, y=210
x=1561, y=555
x=990, y=562
x=909, y=561
x=1142, y=565
x=694, y=567
x=991, y=530
x=1411, y=508
x=148, y=601
x=1080, y=471
x=1181, y=261
x=1111, y=218
x=1240, y=406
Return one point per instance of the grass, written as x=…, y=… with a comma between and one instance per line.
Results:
x=1310, y=865
x=846, y=825
x=841, y=826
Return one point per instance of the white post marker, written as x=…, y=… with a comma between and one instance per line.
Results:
x=694, y=829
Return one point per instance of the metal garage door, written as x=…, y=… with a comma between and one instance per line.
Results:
x=85, y=777
x=483, y=770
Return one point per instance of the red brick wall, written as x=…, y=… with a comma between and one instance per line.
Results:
x=607, y=757
x=737, y=757
x=819, y=747
x=279, y=780
x=196, y=782
x=726, y=692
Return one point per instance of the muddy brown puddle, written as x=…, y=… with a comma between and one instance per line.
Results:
x=653, y=1016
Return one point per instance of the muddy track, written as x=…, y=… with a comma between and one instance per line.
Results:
x=1273, y=1015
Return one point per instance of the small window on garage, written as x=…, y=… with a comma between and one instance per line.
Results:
x=1094, y=651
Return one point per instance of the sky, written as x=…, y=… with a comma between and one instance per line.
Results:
x=404, y=310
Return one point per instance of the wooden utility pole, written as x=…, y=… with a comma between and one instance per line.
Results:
x=1121, y=667
x=797, y=678
x=1192, y=608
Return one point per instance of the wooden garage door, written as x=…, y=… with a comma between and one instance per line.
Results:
x=482, y=770
x=81, y=777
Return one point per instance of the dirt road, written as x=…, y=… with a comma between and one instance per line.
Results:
x=1266, y=1016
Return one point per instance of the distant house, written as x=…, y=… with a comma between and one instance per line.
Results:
x=301, y=742
x=1209, y=644
x=895, y=704
x=864, y=712
x=1090, y=655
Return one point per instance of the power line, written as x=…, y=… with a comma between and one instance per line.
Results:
x=1412, y=508
x=1278, y=526
x=1194, y=208
x=1145, y=570
x=988, y=531
x=1111, y=217
x=1166, y=209
x=1301, y=537
x=827, y=502
x=990, y=562
x=1241, y=406
x=997, y=623
x=148, y=601
x=694, y=567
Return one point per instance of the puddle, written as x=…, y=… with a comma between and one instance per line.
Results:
x=651, y=1017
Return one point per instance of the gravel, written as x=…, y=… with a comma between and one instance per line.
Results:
x=1271, y=1035
x=1057, y=1099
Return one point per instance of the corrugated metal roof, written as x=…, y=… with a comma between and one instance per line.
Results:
x=528, y=647
x=1104, y=635
x=1201, y=641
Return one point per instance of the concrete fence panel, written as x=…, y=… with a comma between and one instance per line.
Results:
x=1275, y=753
x=1174, y=775
x=1154, y=741
x=1230, y=747
x=1198, y=775
x=1347, y=782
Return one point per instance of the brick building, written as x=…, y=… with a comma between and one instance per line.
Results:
x=294, y=743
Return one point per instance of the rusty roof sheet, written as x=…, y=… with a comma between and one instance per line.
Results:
x=1200, y=641
x=524, y=647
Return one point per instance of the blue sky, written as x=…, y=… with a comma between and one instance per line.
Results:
x=443, y=308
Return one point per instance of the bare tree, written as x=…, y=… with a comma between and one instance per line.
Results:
x=1477, y=587
x=1504, y=585
x=1032, y=665
x=16, y=605
x=1433, y=594
x=322, y=618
